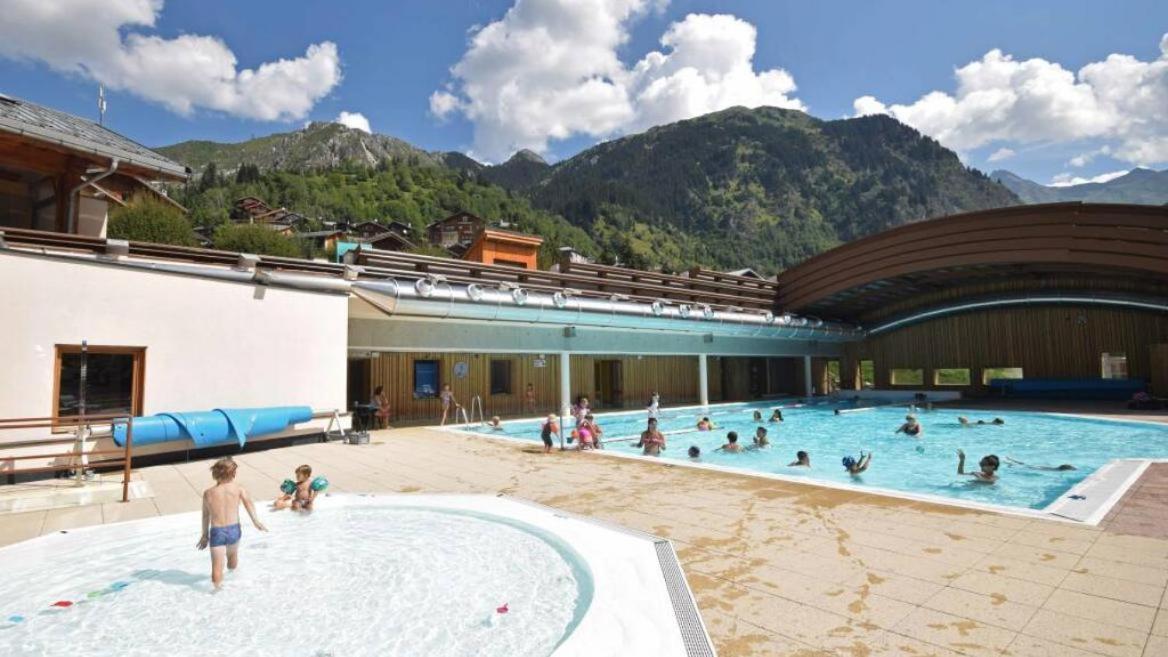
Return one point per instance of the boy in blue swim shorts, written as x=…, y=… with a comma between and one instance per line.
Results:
x=221, y=518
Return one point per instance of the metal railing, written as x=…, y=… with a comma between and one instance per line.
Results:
x=78, y=458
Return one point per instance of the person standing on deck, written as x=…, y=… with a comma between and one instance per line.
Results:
x=449, y=403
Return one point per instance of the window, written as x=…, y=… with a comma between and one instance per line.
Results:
x=831, y=376
x=990, y=373
x=1114, y=365
x=427, y=382
x=867, y=374
x=906, y=377
x=500, y=377
x=951, y=376
x=113, y=380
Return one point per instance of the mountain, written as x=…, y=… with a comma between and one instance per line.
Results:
x=763, y=188
x=1136, y=186
x=320, y=145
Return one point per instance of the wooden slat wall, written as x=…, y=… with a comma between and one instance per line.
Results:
x=674, y=377
x=1046, y=341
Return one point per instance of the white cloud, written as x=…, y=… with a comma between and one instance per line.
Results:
x=1120, y=99
x=95, y=39
x=1066, y=179
x=1001, y=154
x=1083, y=159
x=549, y=70
x=354, y=120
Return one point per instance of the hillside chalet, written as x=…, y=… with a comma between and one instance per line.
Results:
x=61, y=173
x=251, y=210
x=461, y=228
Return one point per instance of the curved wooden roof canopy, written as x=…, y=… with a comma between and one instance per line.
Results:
x=1061, y=248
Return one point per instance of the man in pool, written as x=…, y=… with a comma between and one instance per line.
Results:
x=988, y=473
x=221, y=529
x=911, y=427
x=652, y=440
x=854, y=467
x=1047, y=468
x=695, y=453
x=802, y=460
x=731, y=445
x=777, y=416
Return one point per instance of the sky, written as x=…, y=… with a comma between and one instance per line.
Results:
x=1058, y=92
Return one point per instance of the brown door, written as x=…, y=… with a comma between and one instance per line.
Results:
x=609, y=386
x=359, y=392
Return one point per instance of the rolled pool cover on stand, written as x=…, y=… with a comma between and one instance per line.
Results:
x=216, y=427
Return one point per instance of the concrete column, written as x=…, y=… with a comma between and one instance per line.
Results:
x=565, y=383
x=808, y=387
x=703, y=381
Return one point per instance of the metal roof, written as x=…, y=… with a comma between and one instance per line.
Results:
x=41, y=123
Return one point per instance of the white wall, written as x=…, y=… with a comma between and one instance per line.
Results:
x=208, y=343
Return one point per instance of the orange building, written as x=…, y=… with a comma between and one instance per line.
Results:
x=503, y=247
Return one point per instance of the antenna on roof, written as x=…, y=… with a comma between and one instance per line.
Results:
x=101, y=104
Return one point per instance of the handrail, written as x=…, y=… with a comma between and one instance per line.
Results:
x=76, y=460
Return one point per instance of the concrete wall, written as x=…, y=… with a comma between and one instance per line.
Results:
x=208, y=343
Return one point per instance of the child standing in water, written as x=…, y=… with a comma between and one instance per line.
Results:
x=221, y=529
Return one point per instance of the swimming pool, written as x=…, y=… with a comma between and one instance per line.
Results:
x=353, y=579
x=920, y=466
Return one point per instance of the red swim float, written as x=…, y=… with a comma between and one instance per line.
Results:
x=503, y=609
x=62, y=603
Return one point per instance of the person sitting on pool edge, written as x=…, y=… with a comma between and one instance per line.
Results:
x=705, y=424
x=989, y=468
x=760, y=438
x=777, y=416
x=802, y=460
x=302, y=495
x=855, y=467
x=911, y=427
x=731, y=445
x=652, y=440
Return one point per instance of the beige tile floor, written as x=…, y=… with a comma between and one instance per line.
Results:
x=777, y=568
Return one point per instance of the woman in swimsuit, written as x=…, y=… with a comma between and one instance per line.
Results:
x=911, y=427
x=448, y=403
x=652, y=440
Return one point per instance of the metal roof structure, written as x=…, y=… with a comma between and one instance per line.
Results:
x=40, y=123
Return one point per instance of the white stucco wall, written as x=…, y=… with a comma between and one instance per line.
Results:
x=208, y=343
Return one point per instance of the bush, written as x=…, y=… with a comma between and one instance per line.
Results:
x=149, y=219
x=255, y=238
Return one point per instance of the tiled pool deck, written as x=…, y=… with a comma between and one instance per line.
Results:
x=778, y=568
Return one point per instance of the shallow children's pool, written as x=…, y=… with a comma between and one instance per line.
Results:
x=345, y=580
x=923, y=466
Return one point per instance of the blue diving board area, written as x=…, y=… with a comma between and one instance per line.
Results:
x=216, y=427
x=1068, y=388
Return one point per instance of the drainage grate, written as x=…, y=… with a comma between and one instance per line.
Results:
x=693, y=632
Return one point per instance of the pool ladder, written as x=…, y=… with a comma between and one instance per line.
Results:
x=475, y=402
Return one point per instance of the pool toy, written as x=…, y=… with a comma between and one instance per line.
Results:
x=288, y=487
x=319, y=484
x=62, y=604
x=16, y=619
x=503, y=609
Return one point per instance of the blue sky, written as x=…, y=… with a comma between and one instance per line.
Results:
x=392, y=58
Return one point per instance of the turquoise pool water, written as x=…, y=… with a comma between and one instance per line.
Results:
x=926, y=465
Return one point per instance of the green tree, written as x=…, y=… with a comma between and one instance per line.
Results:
x=149, y=219
x=255, y=238
x=210, y=177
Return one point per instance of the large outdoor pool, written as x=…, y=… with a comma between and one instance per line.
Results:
x=927, y=465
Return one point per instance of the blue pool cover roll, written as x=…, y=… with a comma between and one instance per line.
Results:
x=216, y=427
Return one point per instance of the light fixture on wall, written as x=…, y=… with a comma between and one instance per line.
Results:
x=569, y=331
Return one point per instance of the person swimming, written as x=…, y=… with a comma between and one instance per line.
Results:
x=854, y=466
x=731, y=445
x=705, y=424
x=989, y=465
x=760, y=438
x=695, y=452
x=802, y=460
x=1046, y=468
x=777, y=416
x=911, y=427
x=757, y=417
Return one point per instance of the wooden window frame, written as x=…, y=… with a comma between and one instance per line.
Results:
x=892, y=379
x=137, y=385
x=937, y=378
